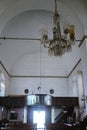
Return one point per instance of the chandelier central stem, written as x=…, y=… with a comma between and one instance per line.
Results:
x=55, y=6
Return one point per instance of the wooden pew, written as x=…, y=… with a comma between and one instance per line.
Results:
x=21, y=127
x=55, y=126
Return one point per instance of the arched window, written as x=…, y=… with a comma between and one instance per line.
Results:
x=2, y=84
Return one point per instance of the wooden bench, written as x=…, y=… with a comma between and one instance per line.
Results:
x=55, y=126
x=21, y=127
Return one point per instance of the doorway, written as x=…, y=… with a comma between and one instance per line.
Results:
x=41, y=112
x=39, y=118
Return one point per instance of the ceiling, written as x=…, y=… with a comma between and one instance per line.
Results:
x=25, y=19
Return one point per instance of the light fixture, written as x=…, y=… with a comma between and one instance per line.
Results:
x=60, y=43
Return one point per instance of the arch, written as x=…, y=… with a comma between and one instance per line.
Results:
x=16, y=9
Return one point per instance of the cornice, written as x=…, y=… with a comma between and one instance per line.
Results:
x=5, y=69
x=24, y=76
x=82, y=40
x=74, y=68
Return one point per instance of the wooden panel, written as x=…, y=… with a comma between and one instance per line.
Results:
x=21, y=101
x=4, y=101
x=61, y=127
x=65, y=101
x=21, y=127
x=16, y=102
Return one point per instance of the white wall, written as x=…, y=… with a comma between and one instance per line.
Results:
x=16, y=66
x=84, y=66
x=7, y=80
x=18, y=85
x=29, y=24
x=72, y=82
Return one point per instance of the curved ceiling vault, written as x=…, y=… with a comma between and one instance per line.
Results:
x=24, y=18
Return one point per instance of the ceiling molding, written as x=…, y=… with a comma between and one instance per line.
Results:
x=82, y=40
x=23, y=76
x=27, y=38
x=20, y=38
x=16, y=76
x=5, y=69
x=74, y=68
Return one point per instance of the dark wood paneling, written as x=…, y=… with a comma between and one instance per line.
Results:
x=65, y=101
x=16, y=102
x=21, y=101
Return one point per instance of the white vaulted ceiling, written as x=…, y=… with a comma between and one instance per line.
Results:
x=25, y=18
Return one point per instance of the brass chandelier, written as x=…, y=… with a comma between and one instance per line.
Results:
x=60, y=44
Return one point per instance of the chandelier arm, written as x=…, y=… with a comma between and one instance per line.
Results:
x=58, y=39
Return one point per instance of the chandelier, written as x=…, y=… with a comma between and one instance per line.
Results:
x=60, y=44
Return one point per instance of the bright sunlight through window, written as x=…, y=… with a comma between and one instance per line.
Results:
x=39, y=118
